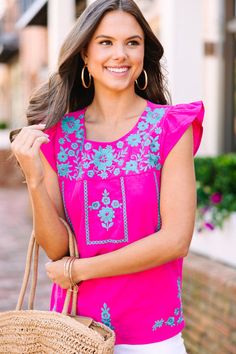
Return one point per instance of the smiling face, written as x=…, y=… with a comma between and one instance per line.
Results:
x=115, y=53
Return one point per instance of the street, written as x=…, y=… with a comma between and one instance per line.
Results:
x=15, y=230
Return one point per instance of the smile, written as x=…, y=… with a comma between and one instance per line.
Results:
x=123, y=69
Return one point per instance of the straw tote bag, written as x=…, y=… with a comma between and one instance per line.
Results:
x=48, y=332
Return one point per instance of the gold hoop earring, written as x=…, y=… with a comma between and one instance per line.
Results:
x=146, y=82
x=82, y=77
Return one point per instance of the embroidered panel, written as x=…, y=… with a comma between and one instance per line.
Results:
x=134, y=153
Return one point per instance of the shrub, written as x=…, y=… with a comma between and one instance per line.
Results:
x=216, y=190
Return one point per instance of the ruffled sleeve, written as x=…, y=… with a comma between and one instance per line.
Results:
x=177, y=121
x=49, y=149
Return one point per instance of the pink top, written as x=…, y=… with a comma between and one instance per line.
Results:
x=111, y=194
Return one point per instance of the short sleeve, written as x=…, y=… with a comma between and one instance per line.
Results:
x=177, y=120
x=49, y=149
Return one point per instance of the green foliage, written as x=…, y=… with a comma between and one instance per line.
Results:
x=3, y=125
x=216, y=189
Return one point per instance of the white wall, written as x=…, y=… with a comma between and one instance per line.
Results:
x=183, y=29
x=181, y=33
x=185, y=25
x=61, y=18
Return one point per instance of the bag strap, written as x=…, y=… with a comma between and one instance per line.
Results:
x=33, y=247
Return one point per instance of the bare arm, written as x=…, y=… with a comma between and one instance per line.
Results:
x=44, y=191
x=178, y=205
x=47, y=206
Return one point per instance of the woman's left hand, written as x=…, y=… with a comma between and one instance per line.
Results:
x=55, y=272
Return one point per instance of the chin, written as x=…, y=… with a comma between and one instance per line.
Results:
x=117, y=88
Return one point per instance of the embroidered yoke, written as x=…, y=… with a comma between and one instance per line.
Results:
x=111, y=194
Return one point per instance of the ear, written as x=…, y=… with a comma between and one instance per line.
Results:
x=84, y=56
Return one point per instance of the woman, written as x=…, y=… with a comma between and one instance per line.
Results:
x=115, y=161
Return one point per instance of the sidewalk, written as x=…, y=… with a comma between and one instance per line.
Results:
x=15, y=230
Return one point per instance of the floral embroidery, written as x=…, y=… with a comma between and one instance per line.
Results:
x=106, y=317
x=134, y=139
x=70, y=124
x=170, y=322
x=155, y=115
x=103, y=157
x=120, y=144
x=106, y=213
x=77, y=159
x=64, y=169
x=176, y=312
x=131, y=166
x=68, y=158
x=176, y=318
x=62, y=156
x=158, y=324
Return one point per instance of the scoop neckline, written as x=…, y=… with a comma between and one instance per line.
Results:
x=117, y=140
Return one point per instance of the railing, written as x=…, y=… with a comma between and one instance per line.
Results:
x=25, y=4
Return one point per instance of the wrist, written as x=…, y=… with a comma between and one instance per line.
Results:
x=80, y=270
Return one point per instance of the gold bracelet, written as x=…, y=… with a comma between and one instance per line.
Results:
x=70, y=271
x=66, y=272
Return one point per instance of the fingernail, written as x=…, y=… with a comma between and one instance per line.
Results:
x=43, y=124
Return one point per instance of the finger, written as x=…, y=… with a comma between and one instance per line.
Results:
x=25, y=138
x=38, y=142
x=37, y=126
x=31, y=139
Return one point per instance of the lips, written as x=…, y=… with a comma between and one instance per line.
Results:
x=118, y=69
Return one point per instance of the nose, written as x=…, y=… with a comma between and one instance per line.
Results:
x=119, y=52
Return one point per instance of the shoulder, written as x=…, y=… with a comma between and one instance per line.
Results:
x=69, y=123
x=176, y=121
x=178, y=109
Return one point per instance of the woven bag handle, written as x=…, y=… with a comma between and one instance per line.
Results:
x=33, y=247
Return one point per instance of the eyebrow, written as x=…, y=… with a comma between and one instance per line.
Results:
x=104, y=36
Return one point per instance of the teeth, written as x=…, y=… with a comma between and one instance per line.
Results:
x=117, y=70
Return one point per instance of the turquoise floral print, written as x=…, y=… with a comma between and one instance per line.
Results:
x=158, y=324
x=62, y=156
x=155, y=115
x=170, y=322
x=131, y=166
x=134, y=139
x=79, y=159
x=106, y=317
x=176, y=318
x=106, y=209
x=68, y=157
x=103, y=158
x=64, y=169
x=106, y=215
x=70, y=124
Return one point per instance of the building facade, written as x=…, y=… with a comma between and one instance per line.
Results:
x=199, y=59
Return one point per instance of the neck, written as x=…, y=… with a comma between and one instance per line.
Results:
x=112, y=107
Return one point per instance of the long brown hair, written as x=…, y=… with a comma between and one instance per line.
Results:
x=64, y=91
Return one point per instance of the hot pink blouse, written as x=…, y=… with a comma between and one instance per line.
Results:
x=111, y=195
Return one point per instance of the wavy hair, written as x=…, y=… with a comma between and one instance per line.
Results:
x=64, y=92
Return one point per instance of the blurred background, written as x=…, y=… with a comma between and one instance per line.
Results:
x=199, y=39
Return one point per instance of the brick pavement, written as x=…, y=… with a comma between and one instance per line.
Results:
x=15, y=229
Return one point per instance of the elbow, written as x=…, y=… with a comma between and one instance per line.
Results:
x=56, y=256
x=182, y=246
x=183, y=252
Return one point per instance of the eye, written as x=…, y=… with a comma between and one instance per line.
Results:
x=133, y=43
x=106, y=42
